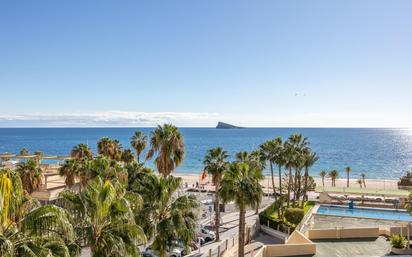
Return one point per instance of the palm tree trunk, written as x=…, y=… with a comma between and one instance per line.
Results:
x=347, y=179
x=280, y=191
x=280, y=208
x=294, y=188
x=289, y=185
x=162, y=253
x=323, y=182
x=305, y=186
x=299, y=186
x=241, y=246
x=273, y=180
x=280, y=179
x=166, y=168
x=217, y=213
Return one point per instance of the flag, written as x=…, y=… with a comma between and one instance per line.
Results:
x=203, y=176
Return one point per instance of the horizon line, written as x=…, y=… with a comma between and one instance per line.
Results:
x=211, y=127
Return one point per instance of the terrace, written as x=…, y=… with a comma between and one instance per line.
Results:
x=366, y=197
x=52, y=184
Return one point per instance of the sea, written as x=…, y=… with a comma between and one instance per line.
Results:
x=379, y=153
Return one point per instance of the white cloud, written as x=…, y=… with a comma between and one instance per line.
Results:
x=105, y=119
x=203, y=119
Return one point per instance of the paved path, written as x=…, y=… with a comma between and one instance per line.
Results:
x=229, y=222
x=257, y=243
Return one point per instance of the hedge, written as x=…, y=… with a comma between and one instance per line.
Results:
x=294, y=215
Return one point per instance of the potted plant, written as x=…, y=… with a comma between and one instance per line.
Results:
x=399, y=243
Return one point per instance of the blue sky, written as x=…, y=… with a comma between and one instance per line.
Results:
x=252, y=63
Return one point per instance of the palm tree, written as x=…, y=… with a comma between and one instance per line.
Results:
x=309, y=160
x=242, y=156
x=117, y=148
x=348, y=170
x=257, y=165
x=280, y=160
x=104, y=147
x=301, y=145
x=333, y=174
x=289, y=157
x=167, y=142
x=31, y=175
x=38, y=155
x=24, y=151
x=81, y=152
x=106, y=168
x=136, y=171
x=240, y=185
x=322, y=174
x=215, y=164
x=297, y=186
x=270, y=151
x=28, y=229
x=12, y=196
x=359, y=181
x=103, y=215
x=257, y=159
x=70, y=169
x=110, y=148
x=165, y=215
x=138, y=142
x=256, y=162
x=127, y=156
x=363, y=176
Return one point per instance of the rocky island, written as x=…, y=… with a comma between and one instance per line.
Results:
x=222, y=125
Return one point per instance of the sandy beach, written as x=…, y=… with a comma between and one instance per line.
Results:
x=191, y=180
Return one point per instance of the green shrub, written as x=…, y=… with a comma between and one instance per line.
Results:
x=294, y=215
x=266, y=218
x=398, y=241
x=406, y=180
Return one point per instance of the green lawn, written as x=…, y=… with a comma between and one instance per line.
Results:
x=306, y=208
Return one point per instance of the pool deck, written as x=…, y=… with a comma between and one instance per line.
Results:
x=329, y=221
x=353, y=248
x=364, y=191
x=345, y=247
x=326, y=221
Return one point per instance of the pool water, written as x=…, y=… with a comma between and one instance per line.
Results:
x=365, y=213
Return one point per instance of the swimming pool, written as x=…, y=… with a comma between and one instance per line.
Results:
x=364, y=213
